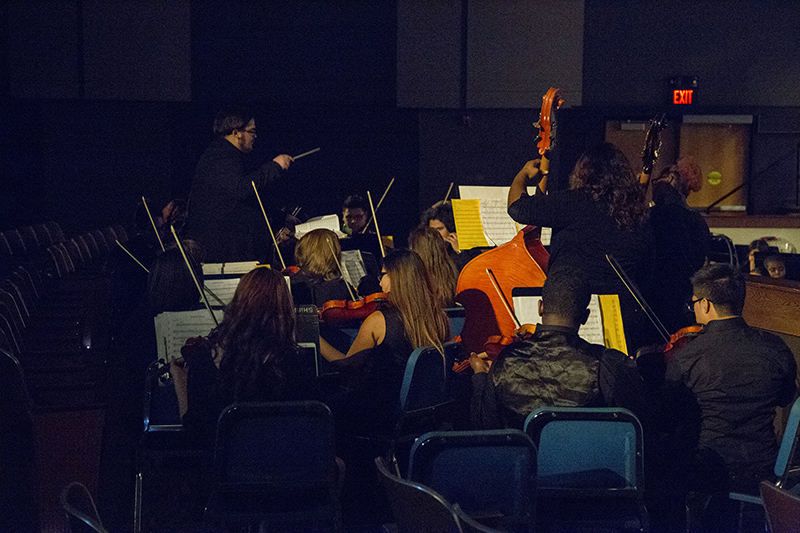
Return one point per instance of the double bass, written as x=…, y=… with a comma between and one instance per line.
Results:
x=521, y=262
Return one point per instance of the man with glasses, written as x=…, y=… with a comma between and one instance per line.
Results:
x=722, y=388
x=224, y=215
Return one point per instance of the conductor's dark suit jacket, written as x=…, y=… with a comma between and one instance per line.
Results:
x=223, y=210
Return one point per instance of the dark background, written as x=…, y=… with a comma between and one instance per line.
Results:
x=106, y=101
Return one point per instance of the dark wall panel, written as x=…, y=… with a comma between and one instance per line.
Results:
x=137, y=50
x=744, y=53
x=314, y=52
x=429, y=53
x=44, y=49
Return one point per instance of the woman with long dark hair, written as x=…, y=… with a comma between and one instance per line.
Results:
x=251, y=356
x=602, y=212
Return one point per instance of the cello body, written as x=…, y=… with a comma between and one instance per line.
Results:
x=521, y=262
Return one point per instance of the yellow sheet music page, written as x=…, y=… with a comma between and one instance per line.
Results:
x=467, y=215
x=612, y=322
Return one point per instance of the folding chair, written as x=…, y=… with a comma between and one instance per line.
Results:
x=490, y=474
x=783, y=464
x=591, y=467
x=17, y=441
x=83, y=517
x=163, y=438
x=782, y=508
x=274, y=463
x=427, y=398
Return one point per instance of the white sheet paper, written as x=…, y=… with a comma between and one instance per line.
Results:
x=498, y=226
x=330, y=222
x=175, y=327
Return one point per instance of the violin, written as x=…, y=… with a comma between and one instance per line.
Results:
x=340, y=312
x=495, y=344
x=290, y=270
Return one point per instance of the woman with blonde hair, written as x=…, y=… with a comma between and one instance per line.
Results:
x=433, y=251
x=319, y=279
x=414, y=317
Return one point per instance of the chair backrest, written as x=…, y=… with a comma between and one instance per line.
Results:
x=81, y=511
x=457, y=316
x=487, y=473
x=788, y=443
x=782, y=508
x=428, y=377
x=416, y=508
x=280, y=445
x=161, y=411
x=587, y=449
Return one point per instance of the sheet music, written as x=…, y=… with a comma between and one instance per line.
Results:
x=498, y=226
x=222, y=288
x=173, y=328
x=330, y=222
x=353, y=267
x=467, y=216
x=237, y=267
x=527, y=310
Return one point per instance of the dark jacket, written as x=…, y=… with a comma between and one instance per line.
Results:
x=224, y=214
x=554, y=367
x=734, y=376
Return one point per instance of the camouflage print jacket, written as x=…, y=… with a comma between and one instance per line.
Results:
x=554, y=367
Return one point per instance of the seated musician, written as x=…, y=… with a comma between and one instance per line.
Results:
x=251, y=356
x=440, y=217
x=355, y=219
x=377, y=358
x=554, y=366
x=723, y=387
x=319, y=279
x=354, y=215
x=434, y=254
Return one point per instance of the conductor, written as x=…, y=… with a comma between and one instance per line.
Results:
x=223, y=210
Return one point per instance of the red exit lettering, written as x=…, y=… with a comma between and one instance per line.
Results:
x=682, y=96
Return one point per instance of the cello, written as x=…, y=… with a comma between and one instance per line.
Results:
x=521, y=262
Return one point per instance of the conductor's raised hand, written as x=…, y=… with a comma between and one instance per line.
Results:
x=284, y=160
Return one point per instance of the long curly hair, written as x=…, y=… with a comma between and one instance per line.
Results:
x=433, y=251
x=424, y=319
x=258, y=329
x=604, y=173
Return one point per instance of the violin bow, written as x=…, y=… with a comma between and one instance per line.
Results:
x=378, y=207
x=377, y=230
x=269, y=226
x=551, y=101
x=503, y=298
x=341, y=272
x=153, y=223
x=194, y=278
x=637, y=295
x=132, y=256
x=446, y=196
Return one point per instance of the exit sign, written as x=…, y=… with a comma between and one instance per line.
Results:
x=682, y=96
x=683, y=90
